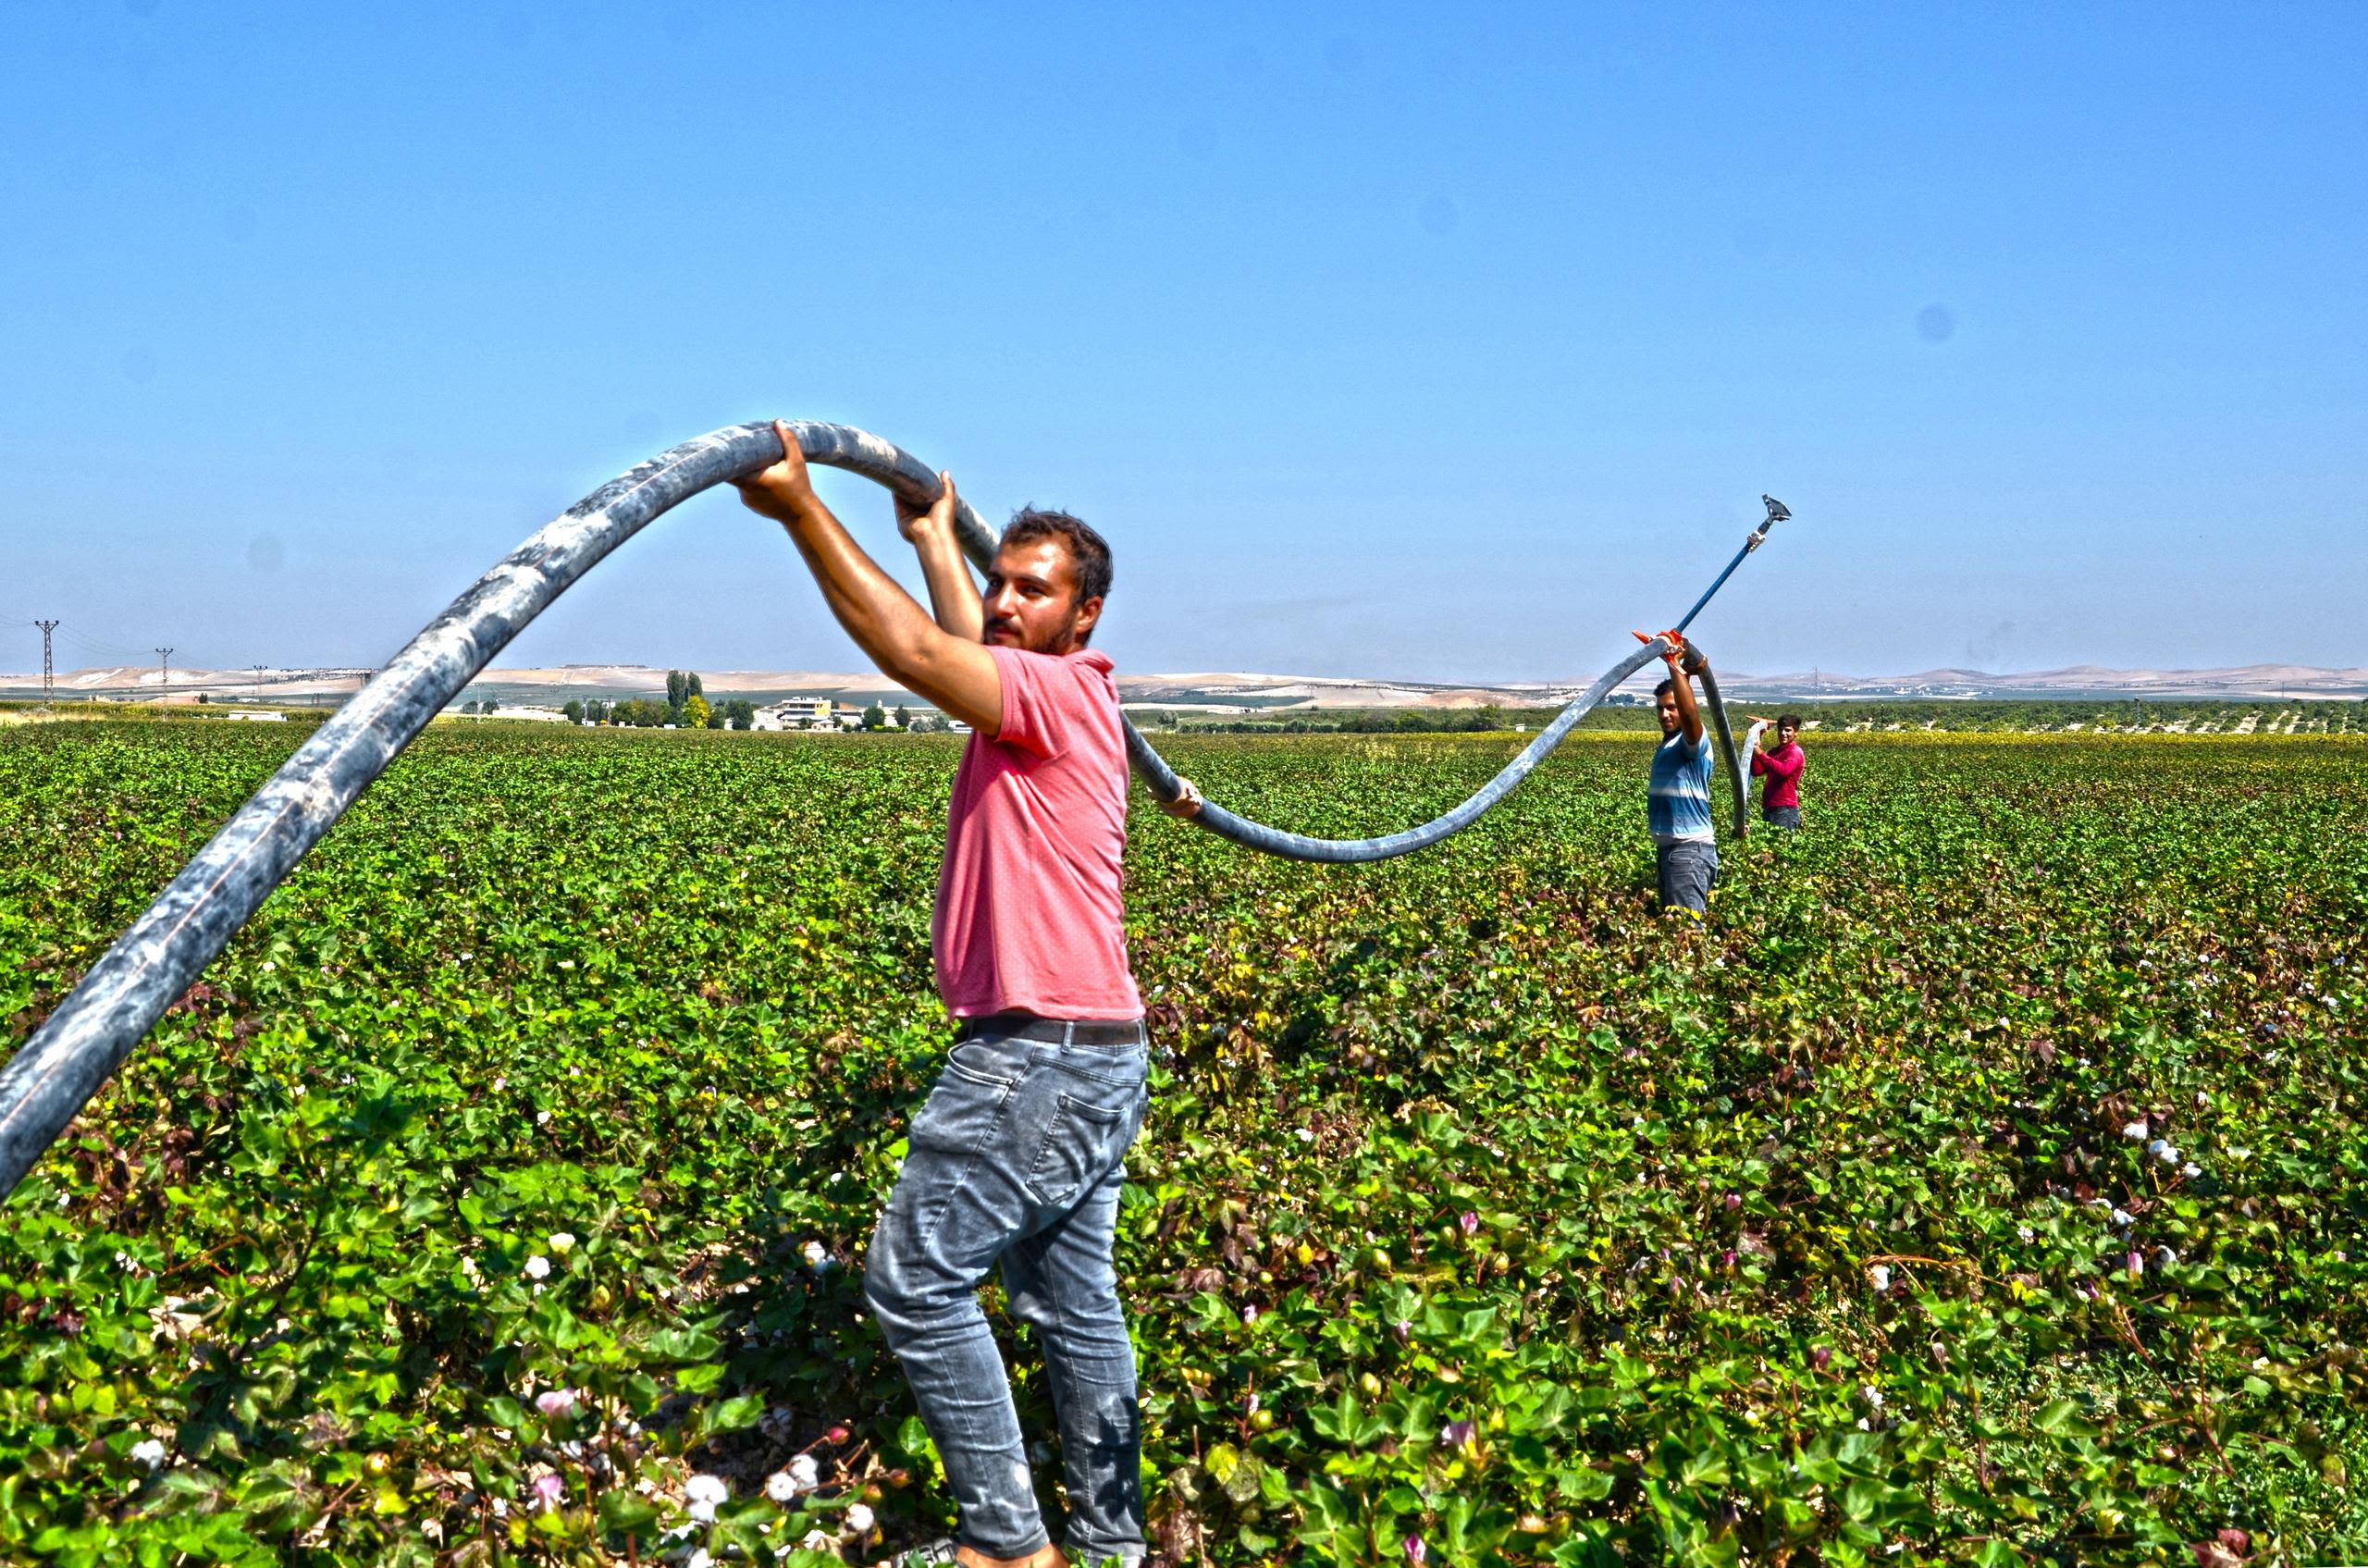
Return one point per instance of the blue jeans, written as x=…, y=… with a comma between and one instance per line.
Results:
x=1016, y=1159
x=1781, y=816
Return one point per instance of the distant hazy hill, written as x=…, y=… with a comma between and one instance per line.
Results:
x=1234, y=689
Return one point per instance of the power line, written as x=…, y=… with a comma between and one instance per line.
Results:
x=97, y=644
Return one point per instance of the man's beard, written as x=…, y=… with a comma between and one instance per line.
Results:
x=1058, y=639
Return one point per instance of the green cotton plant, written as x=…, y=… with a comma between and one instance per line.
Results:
x=1975, y=1185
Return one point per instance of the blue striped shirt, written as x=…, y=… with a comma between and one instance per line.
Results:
x=1679, y=806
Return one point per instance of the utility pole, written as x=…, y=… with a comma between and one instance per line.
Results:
x=166, y=656
x=48, y=671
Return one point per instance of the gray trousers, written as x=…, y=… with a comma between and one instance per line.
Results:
x=1685, y=872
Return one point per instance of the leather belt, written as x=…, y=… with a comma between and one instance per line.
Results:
x=1056, y=1031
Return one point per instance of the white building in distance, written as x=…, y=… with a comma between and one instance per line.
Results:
x=796, y=714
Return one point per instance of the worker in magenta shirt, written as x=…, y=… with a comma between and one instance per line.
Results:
x=1781, y=765
x=1015, y=1158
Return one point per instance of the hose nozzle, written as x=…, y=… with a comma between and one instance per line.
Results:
x=1776, y=513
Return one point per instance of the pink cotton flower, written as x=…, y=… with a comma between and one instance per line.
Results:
x=1416, y=1552
x=1470, y=1222
x=549, y=1490
x=556, y=1402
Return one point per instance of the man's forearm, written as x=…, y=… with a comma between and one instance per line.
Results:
x=1689, y=717
x=953, y=597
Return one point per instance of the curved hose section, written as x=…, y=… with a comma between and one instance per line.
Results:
x=1735, y=776
x=1298, y=846
x=123, y=994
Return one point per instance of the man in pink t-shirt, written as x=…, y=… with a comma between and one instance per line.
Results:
x=1015, y=1158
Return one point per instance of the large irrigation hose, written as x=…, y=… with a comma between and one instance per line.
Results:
x=1736, y=780
x=122, y=996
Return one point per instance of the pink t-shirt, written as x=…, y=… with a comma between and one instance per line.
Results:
x=1029, y=915
x=1782, y=767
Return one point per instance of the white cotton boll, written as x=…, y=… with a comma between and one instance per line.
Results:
x=707, y=1488
x=804, y=1473
x=2156, y=1148
x=699, y=1558
x=2121, y=1217
x=816, y=1540
x=562, y=1241
x=1307, y=1135
x=2191, y=1170
x=859, y=1519
x=149, y=1452
x=2135, y=1130
x=779, y=1487
x=539, y=1268
x=817, y=1256
x=702, y=1512
x=1879, y=1275
x=2024, y=1231
x=1872, y=1394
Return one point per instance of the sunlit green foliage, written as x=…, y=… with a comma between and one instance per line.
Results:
x=1480, y=1207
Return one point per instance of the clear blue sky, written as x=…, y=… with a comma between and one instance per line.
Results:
x=1430, y=343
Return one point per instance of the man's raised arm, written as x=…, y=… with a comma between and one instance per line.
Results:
x=956, y=674
x=953, y=597
x=1683, y=662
